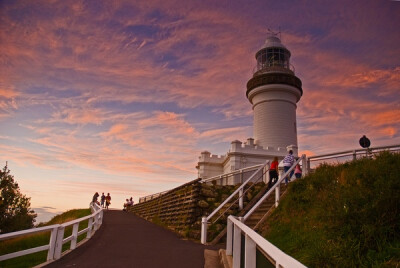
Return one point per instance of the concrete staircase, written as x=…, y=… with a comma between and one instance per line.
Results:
x=262, y=212
x=254, y=221
x=258, y=216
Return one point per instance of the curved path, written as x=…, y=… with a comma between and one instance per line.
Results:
x=125, y=240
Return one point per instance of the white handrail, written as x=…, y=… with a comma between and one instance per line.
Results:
x=275, y=187
x=204, y=220
x=57, y=239
x=214, y=178
x=151, y=196
x=238, y=171
x=253, y=240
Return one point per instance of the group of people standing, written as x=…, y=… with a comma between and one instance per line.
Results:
x=129, y=203
x=105, y=200
x=288, y=162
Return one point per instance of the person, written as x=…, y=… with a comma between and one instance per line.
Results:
x=129, y=203
x=95, y=196
x=288, y=162
x=126, y=204
x=102, y=200
x=273, y=172
x=297, y=171
x=108, y=200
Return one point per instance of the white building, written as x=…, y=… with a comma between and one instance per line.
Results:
x=273, y=91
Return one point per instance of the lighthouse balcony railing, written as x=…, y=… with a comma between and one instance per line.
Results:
x=349, y=155
x=266, y=68
x=54, y=247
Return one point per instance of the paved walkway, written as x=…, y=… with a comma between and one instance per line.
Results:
x=125, y=240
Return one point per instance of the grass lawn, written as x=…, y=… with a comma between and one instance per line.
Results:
x=40, y=239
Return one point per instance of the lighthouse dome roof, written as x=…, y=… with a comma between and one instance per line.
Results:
x=273, y=41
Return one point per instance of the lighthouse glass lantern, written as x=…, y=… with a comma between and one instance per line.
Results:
x=273, y=54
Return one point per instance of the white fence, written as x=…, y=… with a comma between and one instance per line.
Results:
x=54, y=248
x=344, y=156
x=236, y=229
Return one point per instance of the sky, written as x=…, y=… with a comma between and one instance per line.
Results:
x=122, y=96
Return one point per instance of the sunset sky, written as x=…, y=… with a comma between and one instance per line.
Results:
x=122, y=96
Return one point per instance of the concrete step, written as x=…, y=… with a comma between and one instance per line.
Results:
x=226, y=260
x=212, y=259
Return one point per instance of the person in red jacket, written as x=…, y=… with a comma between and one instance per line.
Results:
x=273, y=172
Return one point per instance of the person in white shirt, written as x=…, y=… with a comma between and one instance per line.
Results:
x=288, y=162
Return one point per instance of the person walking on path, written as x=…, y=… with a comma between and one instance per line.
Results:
x=102, y=200
x=288, y=162
x=273, y=172
x=95, y=196
x=297, y=171
x=108, y=200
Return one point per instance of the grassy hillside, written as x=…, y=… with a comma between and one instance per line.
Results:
x=342, y=216
x=40, y=239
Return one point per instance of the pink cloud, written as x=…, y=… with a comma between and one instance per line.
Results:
x=80, y=116
x=225, y=134
x=81, y=69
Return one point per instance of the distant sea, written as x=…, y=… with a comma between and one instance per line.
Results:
x=44, y=214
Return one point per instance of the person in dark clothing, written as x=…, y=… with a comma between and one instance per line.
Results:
x=95, y=196
x=102, y=200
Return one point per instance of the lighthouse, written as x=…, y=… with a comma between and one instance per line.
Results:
x=274, y=91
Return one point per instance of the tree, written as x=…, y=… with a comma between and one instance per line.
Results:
x=15, y=211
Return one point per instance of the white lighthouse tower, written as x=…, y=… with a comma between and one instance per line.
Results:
x=274, y=91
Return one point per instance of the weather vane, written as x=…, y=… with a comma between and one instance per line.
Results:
x=272, y=33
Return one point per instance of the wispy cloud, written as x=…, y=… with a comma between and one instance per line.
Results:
x=132, y=92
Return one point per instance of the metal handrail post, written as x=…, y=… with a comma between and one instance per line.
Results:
x=204, y=230
x=277, y=194
x=241, y=199
x=229, y=237
x=304, y=164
